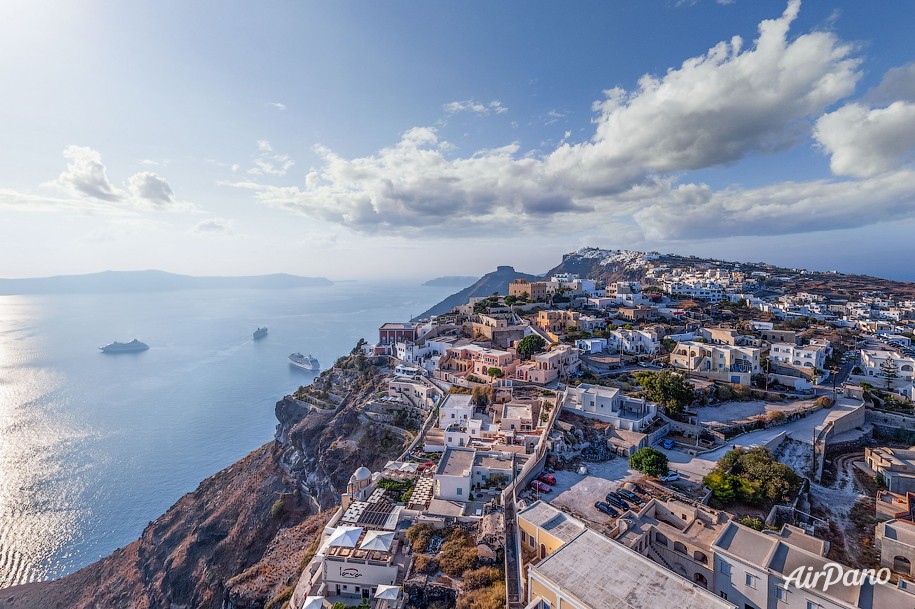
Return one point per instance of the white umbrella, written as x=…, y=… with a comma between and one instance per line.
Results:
x=377, y=540
x=313, y=602
x=387, y=593
x=346, y=537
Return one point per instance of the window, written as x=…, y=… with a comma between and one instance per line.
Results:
x=814, y=605
x=781, y=595
x=523, y=536
x=724, y=595
x=725, y=568
x=460, y=491
x=751, y=580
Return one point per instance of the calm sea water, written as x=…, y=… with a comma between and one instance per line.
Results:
x=94, y=446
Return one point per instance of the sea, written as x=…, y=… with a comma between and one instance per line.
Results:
x=94, y=446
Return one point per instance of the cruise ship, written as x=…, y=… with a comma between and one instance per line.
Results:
x=260, y=333
x=116, y=347
x=305, y=362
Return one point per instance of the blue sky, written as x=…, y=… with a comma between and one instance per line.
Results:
x=361, y=139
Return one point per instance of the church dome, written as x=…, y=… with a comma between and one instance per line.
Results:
x=361, y=474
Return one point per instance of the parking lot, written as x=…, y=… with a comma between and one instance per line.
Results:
x=576, y=494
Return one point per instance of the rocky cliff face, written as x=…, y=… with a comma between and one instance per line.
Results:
x=240, y=539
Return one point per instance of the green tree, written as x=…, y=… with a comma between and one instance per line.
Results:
x=889, y=370
x=668, y=388
x=530, y=345
x=649, y=461
x=495, y=372
x=752, y=476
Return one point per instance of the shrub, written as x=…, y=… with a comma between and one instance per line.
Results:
x=484, y=598
x=425, y=564
x=277, y=508
x=482, y=577
x=776, y=416
x=753, y=522
x=459, y=553
x=823, y=401
x=277, y=601
x=752, y=476
x=419, y=536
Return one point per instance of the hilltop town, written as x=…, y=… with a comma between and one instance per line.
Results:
x=597, y=441
x=629, y=430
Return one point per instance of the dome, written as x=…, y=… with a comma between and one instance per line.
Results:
x=362, y=474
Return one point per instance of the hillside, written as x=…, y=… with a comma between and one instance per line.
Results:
x=239, y=539
x=488, y=284
x=149, y=281
x=456, y=281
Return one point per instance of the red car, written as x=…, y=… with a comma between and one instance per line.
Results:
x=547, y=479
x=540, y=487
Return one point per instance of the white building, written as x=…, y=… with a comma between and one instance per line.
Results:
x=607, y=404
x=806, y=356
x=877, y=364
x=462, y=469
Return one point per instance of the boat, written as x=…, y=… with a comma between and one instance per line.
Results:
x=305, y=362
x=260, y=333
x=116, y=347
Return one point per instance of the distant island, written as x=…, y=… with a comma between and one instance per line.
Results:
x=150, y=281
x=461, y=281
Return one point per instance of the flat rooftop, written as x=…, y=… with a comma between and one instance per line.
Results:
x=582, y=569
x=555, y=522
x=456, y=461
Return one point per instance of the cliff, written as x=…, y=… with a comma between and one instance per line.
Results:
x=242, y=537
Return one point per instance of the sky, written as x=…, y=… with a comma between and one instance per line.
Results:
x=418, y=139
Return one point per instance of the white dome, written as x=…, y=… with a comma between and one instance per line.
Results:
x=361, y=474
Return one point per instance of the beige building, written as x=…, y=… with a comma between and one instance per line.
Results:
x=532, y=290
x=593, y=572
x=544, y=529
x=752, y=569
x=895, y=466
x=557, y=321
x=896, y=541
x=727, y=363
x=674, y=534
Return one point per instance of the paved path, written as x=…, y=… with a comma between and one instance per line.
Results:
x=694, y=468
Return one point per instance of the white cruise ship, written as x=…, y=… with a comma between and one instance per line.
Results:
x=116, y=347
x=305, y=362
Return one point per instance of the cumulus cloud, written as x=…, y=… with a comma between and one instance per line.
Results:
x=734, y=101
x=691, y=211
x=898, y=84
x=86, y=175
x=864, y=141
x=475, y=107
x=269, y=162
x=215, y=227
x=151, y=188
x=86, y=180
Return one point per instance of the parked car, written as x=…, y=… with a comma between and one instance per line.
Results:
x=638, y=489
x=540, y=487
x=617, y=501
x=667, y=443
x=670, y=476
x=547, y=478
x=606, y=508
x=630, y=496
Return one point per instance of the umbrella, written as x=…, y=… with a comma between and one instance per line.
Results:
x=377, y=540
x=387, y=593
x=346, y=537
x=313, y=602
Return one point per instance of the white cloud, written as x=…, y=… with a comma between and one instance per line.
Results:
x=865, y=141
x=86, y=175
x=86, y=181
x=475, y=107
x=151, y=188
x=898, y=84
x=270, y=163
x=714, y=109
x=279, y=106
x=692, y=211
x=219, y=227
